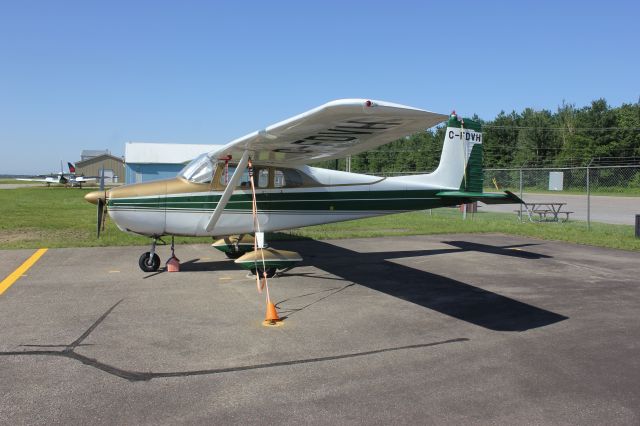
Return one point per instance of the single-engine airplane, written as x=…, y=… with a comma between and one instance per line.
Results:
x=212, y=195
x=69, y=179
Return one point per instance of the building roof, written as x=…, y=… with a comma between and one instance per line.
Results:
x=96, y=159
x=87, y=153
x=164, y=153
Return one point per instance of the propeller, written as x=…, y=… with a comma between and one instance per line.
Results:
x=101, y=204
x=100, y=216
x=99, y=198
x=102, y=179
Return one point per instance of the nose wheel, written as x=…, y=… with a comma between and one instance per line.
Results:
x=150, y=261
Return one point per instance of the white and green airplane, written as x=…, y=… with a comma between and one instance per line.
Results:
x=211, y=196
x=62, y=178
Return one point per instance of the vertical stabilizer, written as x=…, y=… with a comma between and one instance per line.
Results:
x=461, y=160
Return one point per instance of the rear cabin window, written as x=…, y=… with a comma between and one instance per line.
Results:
x=263, y=178
x=287, y=178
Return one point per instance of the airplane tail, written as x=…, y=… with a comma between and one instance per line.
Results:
x=461, y=165
x=460, y=174
x=461, y=160
x=72, y=168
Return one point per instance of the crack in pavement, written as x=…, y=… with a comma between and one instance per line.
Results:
x=136, y=376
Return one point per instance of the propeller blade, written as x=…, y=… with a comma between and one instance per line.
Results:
x=102, y=179
x=100, y=215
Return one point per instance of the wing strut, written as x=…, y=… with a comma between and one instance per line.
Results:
x=224, y=199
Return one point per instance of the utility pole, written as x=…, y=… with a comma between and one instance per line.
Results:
x=521, y=188
x=589, y=195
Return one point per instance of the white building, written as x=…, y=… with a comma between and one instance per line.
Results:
x=145, y=162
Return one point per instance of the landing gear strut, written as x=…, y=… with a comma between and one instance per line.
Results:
x=234, y=246
x=234, y=253
x=150, y=261
x=271, y=271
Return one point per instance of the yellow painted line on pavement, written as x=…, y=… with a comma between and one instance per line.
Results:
x=8, y=282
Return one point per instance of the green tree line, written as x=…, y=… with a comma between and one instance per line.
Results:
x=568, y=136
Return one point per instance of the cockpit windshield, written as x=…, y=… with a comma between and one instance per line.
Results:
x=199, y=170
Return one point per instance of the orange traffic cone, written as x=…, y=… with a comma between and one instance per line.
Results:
x=272, y=315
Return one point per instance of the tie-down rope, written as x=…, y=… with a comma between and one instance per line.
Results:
x=260, y=283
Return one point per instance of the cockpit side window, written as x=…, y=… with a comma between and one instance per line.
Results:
x=264, y=177
x=261, y=177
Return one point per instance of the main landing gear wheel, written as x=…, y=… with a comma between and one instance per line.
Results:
x=149, y=262
x=271, y=272
x=234, y=254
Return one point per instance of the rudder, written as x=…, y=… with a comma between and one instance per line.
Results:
x=473, y=180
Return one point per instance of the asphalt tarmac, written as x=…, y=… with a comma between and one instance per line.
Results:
x=605, y=209
x=421, y=330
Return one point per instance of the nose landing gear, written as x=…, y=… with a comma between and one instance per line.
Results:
x=150, y=261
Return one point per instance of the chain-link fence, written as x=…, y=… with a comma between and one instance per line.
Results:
x=604, y=180
x=598, y=193
x=601, y=193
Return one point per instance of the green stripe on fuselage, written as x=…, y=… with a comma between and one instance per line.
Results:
x=287, y=201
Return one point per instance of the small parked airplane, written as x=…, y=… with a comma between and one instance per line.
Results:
x=69, y=179
x=212, y=195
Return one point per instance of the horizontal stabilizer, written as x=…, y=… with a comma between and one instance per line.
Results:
x=506, y=197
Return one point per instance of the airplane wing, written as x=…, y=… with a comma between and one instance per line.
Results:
x=83, y=179
x=49, y=180
x=334, y=130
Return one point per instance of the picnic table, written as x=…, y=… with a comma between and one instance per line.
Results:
x=546, y=211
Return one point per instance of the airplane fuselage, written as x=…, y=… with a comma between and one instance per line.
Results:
x=178, y=207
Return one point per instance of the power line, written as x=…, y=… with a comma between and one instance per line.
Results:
x=591, y=129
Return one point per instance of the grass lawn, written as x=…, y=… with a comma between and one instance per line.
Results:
x=43, y=184
x=59, y=217
x=17, y=182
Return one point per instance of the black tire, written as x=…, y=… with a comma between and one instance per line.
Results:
x=148, y=263
x=234, y=254
x=271, y=272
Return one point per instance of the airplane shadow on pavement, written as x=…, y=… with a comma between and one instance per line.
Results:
x=450, y=297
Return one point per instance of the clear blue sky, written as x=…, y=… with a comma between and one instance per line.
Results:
x=95, y=74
